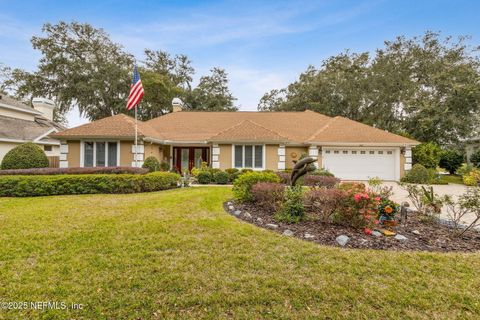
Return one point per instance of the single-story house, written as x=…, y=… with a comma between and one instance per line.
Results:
x=256, y=140
x=20, y=123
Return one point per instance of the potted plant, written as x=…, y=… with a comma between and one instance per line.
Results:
x=386, y=211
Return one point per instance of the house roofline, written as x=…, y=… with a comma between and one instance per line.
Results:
x=33, y=111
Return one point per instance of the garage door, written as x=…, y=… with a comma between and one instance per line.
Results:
x=360, y=164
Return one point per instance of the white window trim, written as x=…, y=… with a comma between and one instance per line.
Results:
x=253, y=156
x=82, y=152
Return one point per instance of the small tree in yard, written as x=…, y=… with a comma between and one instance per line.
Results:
x=451, y=160
x=467, y=204
x=427, y=154
x=25, y=156
x=475, y=159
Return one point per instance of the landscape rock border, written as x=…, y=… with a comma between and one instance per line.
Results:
x=417, y=235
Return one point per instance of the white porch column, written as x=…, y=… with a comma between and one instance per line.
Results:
x=215, y=156
x=281, y=157
x=140, y=154
x=313, y=152
x=408, y=158
x=63, y=154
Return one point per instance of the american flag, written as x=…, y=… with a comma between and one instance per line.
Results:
x=136, y=90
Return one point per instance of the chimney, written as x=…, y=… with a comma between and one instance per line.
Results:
x=177, y=105
x=45, y=106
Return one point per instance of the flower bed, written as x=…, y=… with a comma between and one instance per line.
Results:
x=352, y=215
x=422, y=234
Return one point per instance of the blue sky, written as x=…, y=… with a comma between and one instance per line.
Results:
x=263, y=44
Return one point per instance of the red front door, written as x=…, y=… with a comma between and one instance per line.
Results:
x=187, y=158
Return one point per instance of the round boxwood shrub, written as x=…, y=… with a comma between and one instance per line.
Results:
x=451, y=160
x=220, y=177
x=151, y=163
x=242, y=187
x=25, y=156
x=164, y=166
x=204, y=177
x=418, y=174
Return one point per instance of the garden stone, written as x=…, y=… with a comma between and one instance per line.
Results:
x=399, y=237
x=272, y=226
x=308, y=236
x=288, y=233
x=260, y=220
x=229, y=203
x=247, y=215
x=342, y=240
x=376, y=234
x=237, y=212
x=416, y=232
x=230, y=207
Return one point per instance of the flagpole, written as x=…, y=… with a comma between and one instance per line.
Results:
x=136, y=145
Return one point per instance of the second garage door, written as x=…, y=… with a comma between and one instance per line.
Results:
x=360, y=164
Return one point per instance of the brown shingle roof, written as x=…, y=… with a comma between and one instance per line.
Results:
x=120, y=125
x=306, y=127
x=248, y=131
x=340, y=129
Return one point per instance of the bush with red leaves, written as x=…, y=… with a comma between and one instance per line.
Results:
x=268, y=195
x=90, y=170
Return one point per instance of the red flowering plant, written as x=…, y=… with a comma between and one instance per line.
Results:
x=360, y=208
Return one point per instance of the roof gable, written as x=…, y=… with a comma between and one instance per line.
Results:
x=248, y=131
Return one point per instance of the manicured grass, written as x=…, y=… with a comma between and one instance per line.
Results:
x=451, y=178
x=177, y=254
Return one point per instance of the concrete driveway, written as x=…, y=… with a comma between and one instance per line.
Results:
x=454, y=190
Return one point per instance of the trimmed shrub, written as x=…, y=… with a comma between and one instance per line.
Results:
x=323, y=203
x=462, y=171
x=292, y=209
x=320, y=181
x=472, y=178
x=242, y=171
x=90, y=170
x=152, y=164
x=233, y=174
x=220, y=177
x=30, y=186
x=164, y=166
x=284, y=177
x=352, y=187
x=242, y=187
x=475, y=159
x=322, y=172
x=418, y=174
x=268, y=195
x=451, y=160
x=427, y=154
x=25, y=156
x=204, y=177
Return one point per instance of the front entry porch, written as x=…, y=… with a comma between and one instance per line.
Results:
x=187, y=158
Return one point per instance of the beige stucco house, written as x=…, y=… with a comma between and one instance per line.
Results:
x=20, y=123
x=256, y=140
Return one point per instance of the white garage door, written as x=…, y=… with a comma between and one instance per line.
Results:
x=360, y=164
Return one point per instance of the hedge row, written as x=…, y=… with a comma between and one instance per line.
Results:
x=29, y=186
x=90, y=170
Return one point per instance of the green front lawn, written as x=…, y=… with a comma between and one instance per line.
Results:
x=178, y=254
x=451, y=178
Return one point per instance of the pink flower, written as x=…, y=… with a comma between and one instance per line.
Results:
x=367, y=231
x=377, y=199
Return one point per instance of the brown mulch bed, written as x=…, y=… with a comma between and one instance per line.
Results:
x=432, y=236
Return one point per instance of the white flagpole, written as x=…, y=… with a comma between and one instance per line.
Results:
x=136, y=145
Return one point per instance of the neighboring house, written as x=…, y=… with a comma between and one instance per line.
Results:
x=256, y=140
x=20, y=123
x=472, y=146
